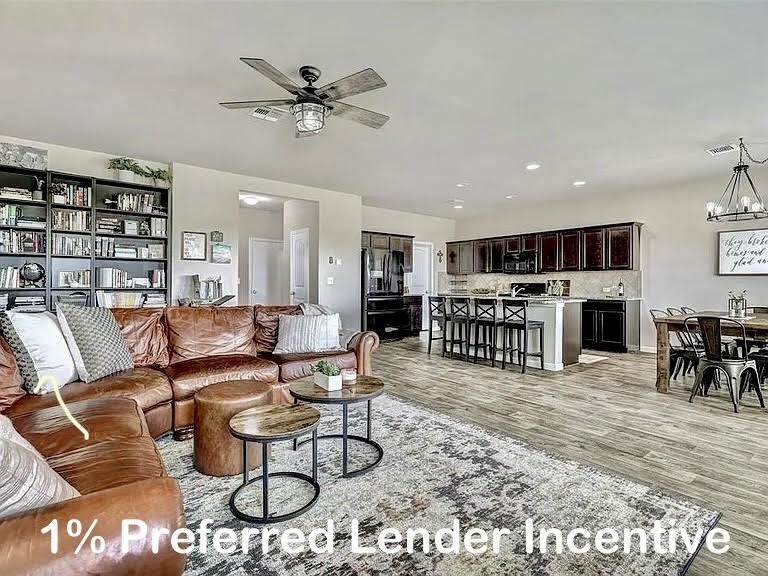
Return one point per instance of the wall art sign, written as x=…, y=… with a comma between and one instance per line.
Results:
x=23, y=156
x=193, y=246
x=743, y=252
x=217, y=236
x=221, y=253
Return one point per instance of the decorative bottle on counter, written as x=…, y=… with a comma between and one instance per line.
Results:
x=621, y=287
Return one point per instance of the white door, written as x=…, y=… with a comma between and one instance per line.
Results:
x=421, y=280
x=299, y=266
x=265, y=272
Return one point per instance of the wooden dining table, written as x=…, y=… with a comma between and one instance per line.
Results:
x=755, y=323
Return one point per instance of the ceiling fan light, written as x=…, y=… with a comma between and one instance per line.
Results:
x=310, y=117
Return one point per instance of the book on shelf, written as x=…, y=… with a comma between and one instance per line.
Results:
x=10, y=193
x=9, y=277
x=107, y=277
x=70, y=194
x=9, y=214
x=108, y=224
x=71, y=245
x=29, y=303
x=71, y=220
x=119, y=299
x=4, y=301
x=17, y=242
x=75, y=279
x=157, y=227
x=130, y=227
x=154, y=300
x=143, y=202
x=156, y=251
x=31, y=222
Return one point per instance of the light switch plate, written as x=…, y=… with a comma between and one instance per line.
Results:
x=330, y=280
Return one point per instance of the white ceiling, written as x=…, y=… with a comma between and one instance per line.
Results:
x=624, y=96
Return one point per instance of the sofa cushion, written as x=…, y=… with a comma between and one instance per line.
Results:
x=147, y=386
x=266, y=320
x=294, y=366
x=10, y=377
x=189, y=376
x=144, y=333
x=110, y=463
x=95, y=340
x=204, y=332
x=50, y=431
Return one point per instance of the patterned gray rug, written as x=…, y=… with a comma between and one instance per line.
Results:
x=435, y=469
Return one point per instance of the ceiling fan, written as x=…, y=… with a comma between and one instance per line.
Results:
x=312, y=105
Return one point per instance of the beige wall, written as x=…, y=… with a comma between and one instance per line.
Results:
x=679, y=247
x=254, y=223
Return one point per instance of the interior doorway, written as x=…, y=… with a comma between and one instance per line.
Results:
x=422, y=278
x=265, y=265
x=299, y=266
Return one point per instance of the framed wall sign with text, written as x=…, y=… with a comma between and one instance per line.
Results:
x=193, y=246
x=743, y=252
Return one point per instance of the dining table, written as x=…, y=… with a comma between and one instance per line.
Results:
x=755, y=324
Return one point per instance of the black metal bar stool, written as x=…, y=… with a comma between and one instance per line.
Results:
x=461, y=321
x=437, y=313
x=486, y=324
x=515, y=326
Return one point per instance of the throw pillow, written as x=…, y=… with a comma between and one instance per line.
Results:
x=95, y=340
x=300, y=334
x=8, y=432
x=27, y=481
x=39, y=348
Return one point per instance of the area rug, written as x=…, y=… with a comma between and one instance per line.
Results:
x=435, y=470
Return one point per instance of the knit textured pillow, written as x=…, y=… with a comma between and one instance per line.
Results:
x=95, y=340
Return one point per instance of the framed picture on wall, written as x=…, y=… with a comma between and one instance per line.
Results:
x=743, y=253
x=221, y=253
x=193, y=246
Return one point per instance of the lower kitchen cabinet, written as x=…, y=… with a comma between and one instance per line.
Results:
x=413, y=310
x=611, y=325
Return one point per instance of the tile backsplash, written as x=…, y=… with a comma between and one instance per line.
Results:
x=586, y=284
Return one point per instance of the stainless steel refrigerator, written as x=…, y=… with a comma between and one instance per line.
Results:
x=383, y=309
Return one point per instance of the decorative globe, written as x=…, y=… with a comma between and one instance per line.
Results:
x=32, y=272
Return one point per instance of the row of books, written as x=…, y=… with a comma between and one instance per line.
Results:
x=135, y=202
x=129, y=300
x=111, y=248
x=29, y=303
x=15, y=193
x=155, y=300
x=116, y=278
x=75, y=279
x=21, y=242
x=9, y=277
x=71, y=245
x=71, y=220
x=70, y=194
x=112, y=225
x=108, y=224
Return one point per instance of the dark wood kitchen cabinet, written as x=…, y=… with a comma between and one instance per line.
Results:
x=452, y=258
x=482, y=261
x=513, y=244
x=593, y=249
x=466, y=257
x=570, y=250
x=610, y=325
x=365, y=240
x=498, y=247
x=408, y=255
x=621, y=244
x=530, y=243
x=413, y=317
x=549, y=252
x=380, y=241
x=397, y=243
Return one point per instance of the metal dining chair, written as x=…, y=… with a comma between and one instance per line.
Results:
x=691, y=349
x=486, y=324
x=437, y=314
x=740, y=372
x=676, y=352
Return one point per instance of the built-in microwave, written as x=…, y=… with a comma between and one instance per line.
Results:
x=520, y=263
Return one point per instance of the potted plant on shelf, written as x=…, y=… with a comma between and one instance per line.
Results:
x=161, y=176
x=327, y=375
x=126, y=168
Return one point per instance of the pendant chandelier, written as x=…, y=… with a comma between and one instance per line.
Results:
x=740, y=199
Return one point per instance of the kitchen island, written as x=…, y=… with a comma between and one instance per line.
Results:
x=562, y=326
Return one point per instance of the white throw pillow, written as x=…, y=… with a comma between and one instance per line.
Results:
x=298, y=334
x=26, y=480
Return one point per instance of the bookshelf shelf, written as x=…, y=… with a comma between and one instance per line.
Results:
x=132, y=236
x=131, y=213
x=129, y=259
x=22, y=253
x=21, y=228
x=70, y=256
x=6, y=200
x=77, y=232
x=69, y=207
x=25, y=289
x=131, y=289
x=70, y=288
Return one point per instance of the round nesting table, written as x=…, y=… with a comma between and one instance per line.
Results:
x=362, y=389
x=266, y=425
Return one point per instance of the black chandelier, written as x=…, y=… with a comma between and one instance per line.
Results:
x=736, y=204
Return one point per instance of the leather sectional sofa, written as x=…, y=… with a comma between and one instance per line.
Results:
x=118, y=471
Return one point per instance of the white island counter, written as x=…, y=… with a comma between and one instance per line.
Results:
x=562, y=327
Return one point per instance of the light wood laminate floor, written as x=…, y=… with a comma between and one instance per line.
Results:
x=609, y=415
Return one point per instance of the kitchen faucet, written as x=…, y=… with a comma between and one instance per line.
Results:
x=517, y=290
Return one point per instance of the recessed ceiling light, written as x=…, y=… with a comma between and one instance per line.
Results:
x=533, y=166
x=579, y=183
x=508, y=196
x=251, y=200
x=457, y=206
x=462, y=185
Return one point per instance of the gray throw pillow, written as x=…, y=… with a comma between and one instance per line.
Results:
x=95, y=340
x=301, y=334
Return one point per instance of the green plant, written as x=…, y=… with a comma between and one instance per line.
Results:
x=158, y=174
x=327, y=368
x=123, y=163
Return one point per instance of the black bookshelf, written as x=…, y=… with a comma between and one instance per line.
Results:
x=88, y=199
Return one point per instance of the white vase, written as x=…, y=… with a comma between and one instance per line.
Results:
x=125, y=175
x=330, y=383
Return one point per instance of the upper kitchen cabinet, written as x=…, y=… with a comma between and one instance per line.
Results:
x=466, y=257
x=513, y=244
x=498, y=247
x=530, y=243
x=482, y=261
x=380, y=241
x=622, y=246
x=452, y=257
x=408, y=255
x=365, y=240
x=570, y=250
x=593, y=249
x=397, y=243
x=549, y=252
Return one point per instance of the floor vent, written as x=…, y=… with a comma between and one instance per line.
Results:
x=270, y=114
x=724, y=149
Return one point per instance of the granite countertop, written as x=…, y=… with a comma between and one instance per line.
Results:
x=531, y=299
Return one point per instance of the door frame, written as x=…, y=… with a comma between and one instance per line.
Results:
x=306, y=263
x=250, y=260
x=430, y=246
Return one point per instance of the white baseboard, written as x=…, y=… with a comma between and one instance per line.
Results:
x=649, y=349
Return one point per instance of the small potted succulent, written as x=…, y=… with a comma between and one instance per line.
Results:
x=126, y=168
x=327, y=375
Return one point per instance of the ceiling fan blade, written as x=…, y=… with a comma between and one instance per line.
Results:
x=255, y=103
x=357, y=114
x=363, y=81
x=265, y=68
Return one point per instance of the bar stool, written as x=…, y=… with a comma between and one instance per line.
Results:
x=515, y=324
x=486, y=324
x=437, y=313
x=461, y=319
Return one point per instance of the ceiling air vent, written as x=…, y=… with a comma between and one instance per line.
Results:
x=724, y=149
x=270, y=114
